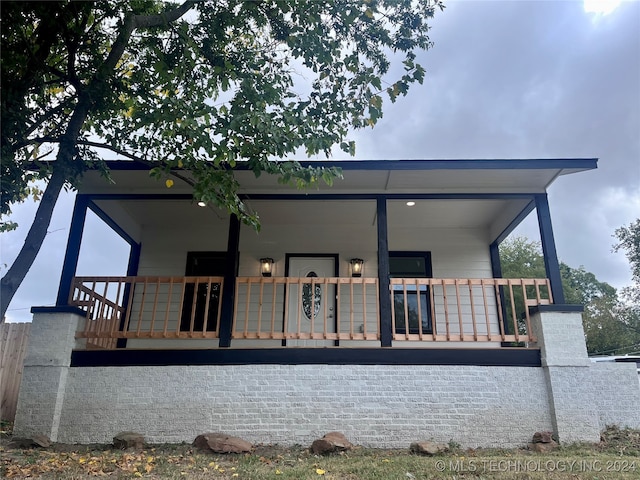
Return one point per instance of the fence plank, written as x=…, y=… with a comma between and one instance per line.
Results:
x=13, y=344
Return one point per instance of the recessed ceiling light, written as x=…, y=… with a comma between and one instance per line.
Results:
x=202, y=204
x=410, y=204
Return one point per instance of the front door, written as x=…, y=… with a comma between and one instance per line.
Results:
x=202, y=264
x=311, y=307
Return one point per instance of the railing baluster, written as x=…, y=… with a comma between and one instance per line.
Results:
x=205, y=319
x=446, y=309
x=473, y=311
x=155, y=305
x=325, y=295
x=434, y=323
x=165, y=326
x=364, y=308
x=351, y=310
x=247, y=303
x=459, y=308
x=260, y=302
x=183, y=296
x=274, y=286
x=486, y=309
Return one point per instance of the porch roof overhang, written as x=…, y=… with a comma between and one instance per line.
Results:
x=493, y=194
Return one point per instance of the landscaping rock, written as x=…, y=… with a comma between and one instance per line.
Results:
x=543, y=437
x=428, y=448
x=41, y=441
x=543, y=447
x=543, y=442
x=124, y=440
x=221, y=443
x=332, y=442
x=36, y=441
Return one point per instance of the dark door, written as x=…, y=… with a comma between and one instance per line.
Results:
x=202, y=264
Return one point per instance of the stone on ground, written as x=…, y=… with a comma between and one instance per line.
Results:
x=332, y=442
x=221, y=443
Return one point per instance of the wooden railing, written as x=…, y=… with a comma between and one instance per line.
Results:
x=308, y=311
x=463, y=310
x=147, y=307
x=281, y=308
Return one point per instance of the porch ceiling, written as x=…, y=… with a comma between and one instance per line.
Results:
x=494, y=215
x=383, y=176
x=367, y=178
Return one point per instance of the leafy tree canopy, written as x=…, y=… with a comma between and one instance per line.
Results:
x=610, y=326
x=198, y=86
x=192, y=89
x=629, y=240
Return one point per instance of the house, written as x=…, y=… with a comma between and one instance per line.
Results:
x=375, y=307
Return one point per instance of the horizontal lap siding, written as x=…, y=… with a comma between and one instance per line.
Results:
x=465, y=309
x=141, y=314
x=455, y=253
x=248, y=320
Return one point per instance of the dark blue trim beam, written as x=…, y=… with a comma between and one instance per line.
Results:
x=72, y=252
x=516, y=221
x=320, y=196
x=229, y=290
x=386, y=329
x=388, y=196
x=424, y=164
x=60, y=309
x=490, y=357
x=109, y=221
x=556, y=308
x=551, y=264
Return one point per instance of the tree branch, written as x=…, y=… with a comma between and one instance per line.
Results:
x=135, y=158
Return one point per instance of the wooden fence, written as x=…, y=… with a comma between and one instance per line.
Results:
x=13, y=346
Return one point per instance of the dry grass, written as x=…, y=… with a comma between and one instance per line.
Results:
x=617, y=456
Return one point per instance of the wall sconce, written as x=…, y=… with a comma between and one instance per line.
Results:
x=266, y=266
x=356, y=267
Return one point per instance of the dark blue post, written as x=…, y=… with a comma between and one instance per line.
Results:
x=132, y=271
x=229, y=289
x=72, y=253
x=496, y=270
x=386, y=329
x=551, y=264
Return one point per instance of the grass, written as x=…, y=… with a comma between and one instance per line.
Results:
x=617, y=456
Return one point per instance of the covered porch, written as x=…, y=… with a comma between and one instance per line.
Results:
x=426, y=234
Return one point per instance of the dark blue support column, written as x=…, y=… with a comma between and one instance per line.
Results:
x=496, y=270
x=73, y=249
x=551, y=264
x=132, y=271
x=229, y=288
x=386, y=329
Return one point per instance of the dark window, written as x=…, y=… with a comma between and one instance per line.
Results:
x=202, y=264
x=411, y=265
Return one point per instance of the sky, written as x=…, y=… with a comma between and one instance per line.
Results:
x=505, y=79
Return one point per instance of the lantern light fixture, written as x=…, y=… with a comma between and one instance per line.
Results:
x=357, y=265
x=266, y=266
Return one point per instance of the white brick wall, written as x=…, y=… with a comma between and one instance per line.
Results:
x=616, y=393
x=380, y=406
x=387, y=406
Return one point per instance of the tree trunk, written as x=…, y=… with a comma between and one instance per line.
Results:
x=38, y=231
x=68, y=146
